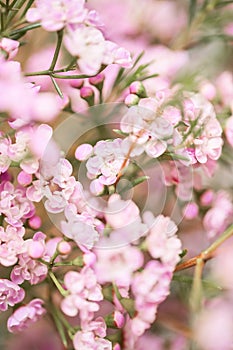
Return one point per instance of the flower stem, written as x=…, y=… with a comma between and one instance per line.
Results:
x=57, y=50
x=208, y=253
x=57, y=284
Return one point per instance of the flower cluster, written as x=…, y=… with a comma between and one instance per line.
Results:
x=111, y=172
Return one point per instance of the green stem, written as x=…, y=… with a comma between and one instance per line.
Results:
x=57, y=284
x=81, y=76
x=196, y=291
x=29, y=4
x=57, y=50
x=23, y=30
x=14, y=8
x=59, y=326
x=227, y=234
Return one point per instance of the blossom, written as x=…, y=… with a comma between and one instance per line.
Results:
x=55, y=183
x=229, y=130
x=9, y=48
x=106, y=163
x=88, y=44
x=147, y=131
x=55, y=15
x=150, y=287
x=213, y=325
x=91, y=336
x=22, y=101
x=161, y=242
x=207, y=132
x=92, y=50
x=14, y=204
x=219, y=216
x=28, y=269
x=117, y=265
x=11, y=244
x=79, y=227
x=24, y=316
x=10, y=294
x=84, y=293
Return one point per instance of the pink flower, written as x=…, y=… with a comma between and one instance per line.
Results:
x=24, y=316
x=11, y=245
x=14, y=204
x=213, y=326
x=83, y=152
x=117, y=265
x=147, y=131
x=5, y=160
x=219, y=216
x=55, y=183
x=150, y=287
x=119, y=212
x=229, y=130
x=91, y=336
x=55, y=15
x=115, y=54
x=23, y=102
x=9, y=47
x=10, y=294
x=88, y=44
x=161, y=242
x=106, y=162
x=79, y=227
x=84, y=293
x=28, y=269
x=191, y=211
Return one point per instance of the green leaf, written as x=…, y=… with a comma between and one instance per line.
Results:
x=192, y=10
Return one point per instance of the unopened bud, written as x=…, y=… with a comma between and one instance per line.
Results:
x=138, y=89
x=131, y=100
x=87, y=93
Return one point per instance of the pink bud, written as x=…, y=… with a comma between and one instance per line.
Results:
x=89, y=259
x=83, y=152
x=36, y=249
x=86, y=91
x=119, y=319
x=97, y=80
x=137, y=88
x=24, y=179
x=96, y=187
x=208, y=90
x=35, y=222
x=116, y=347
x=64, y=248
x=76, y=83
x=191, y=211
x=207, y=198
x=131, y=100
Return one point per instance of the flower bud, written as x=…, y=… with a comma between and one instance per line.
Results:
x=83, y=152
x=87, y=93
x=34, y=222
x=64, y=248
x=191, y=211
x=96, y=187
x=36, y=249
x=76, y=83
x=24, y=179
x=131, y=100
x=137, y=88
x=97, y=81
x=207, y=198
